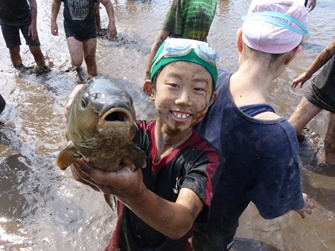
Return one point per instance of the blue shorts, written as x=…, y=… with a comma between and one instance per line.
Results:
x=11, y=34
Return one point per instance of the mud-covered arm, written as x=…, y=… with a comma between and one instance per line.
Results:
x=110, y=11
x=173, y=219
x=326, y=54
x=54, y=13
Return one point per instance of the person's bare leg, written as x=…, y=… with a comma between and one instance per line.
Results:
x=89, y=54
x=304, y=112
x=329, y=142
x=15, y=56
x=38, y=55
x=76, y=51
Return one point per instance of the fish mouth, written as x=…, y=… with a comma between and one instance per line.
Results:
x=117, y=117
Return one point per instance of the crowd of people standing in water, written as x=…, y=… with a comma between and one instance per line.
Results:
x=216, y=144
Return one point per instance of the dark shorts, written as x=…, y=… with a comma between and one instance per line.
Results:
x=322, y=91
x=82, y=31
x=11, y=34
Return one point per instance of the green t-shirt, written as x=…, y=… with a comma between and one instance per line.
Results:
x=190, y=18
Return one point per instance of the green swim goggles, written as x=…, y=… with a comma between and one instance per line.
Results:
x=189, y=50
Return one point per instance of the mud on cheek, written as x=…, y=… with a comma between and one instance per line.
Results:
x=198, y=116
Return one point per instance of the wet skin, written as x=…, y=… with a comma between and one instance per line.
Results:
x=182, y=96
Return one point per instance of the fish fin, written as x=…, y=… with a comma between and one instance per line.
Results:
x=111, y=201
x=67, y=156
x=137, y=156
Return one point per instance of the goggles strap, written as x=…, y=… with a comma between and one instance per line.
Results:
x=267, y=16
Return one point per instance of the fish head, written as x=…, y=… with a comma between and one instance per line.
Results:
x=101, y=111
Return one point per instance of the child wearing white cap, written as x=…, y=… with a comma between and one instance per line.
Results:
x=260, y=148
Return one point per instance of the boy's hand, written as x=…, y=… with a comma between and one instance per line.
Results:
x=124, y=183
x=111, y=31
x=32, y=32
x=311, y=5
x=308, y=206
x=300, y=80
x=54, y=28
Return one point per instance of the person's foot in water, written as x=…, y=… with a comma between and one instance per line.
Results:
x=41, y=69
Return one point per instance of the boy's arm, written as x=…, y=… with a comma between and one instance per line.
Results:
x=110, y=11
x=171, y=23
x=97, y=16
x=311, y=5
x=54, y=13
x=159, y=39
x=326, y=54
x=32, y=28
x=173, y=219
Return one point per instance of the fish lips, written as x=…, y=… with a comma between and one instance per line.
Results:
x=116, y=117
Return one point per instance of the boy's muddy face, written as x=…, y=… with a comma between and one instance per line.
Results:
x=183, y=94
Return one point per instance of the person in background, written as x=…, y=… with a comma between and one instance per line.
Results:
x=157, y=205
x=100, y=31
x=320, y=95
x=81, y=31
x=259, y=147
x=16, y=16
x=97, y=16
x=2, y=104
x=185, y=19
x=311, y=5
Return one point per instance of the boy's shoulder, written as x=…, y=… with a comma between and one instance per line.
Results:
x=198, y=141
x=200, y=145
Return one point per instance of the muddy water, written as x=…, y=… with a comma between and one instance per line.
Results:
x=43, y=208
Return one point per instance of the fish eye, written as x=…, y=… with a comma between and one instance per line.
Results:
x=84, y=102
x=126, y=98
x=85, y=99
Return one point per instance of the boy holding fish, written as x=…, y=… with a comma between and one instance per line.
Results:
x=158, y=205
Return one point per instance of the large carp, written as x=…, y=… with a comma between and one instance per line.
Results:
x=101, y=125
